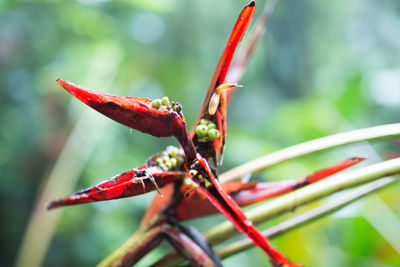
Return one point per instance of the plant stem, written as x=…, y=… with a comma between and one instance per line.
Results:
x=302, y=196
x=366, y=134
x=309, y=216
x=134, y=248
x=306, y=195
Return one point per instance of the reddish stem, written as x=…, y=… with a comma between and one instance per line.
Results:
x=232, y=212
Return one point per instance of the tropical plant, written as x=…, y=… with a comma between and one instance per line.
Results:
x=187, y=177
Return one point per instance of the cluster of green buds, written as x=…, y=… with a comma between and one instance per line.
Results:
x=164, y=104
x=207, y=131
x=170, y=159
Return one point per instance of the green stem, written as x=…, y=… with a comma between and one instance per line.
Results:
x=134, y=248
x=302, y=196
x=366, y=134
x=309, y=216
x=305, y=195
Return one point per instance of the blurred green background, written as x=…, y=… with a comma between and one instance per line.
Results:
x=323, y=67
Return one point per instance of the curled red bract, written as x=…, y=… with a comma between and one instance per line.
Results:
x=136, y=113
x=127, y=184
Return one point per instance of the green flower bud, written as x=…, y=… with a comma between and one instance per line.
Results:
x=201, y=130
x=204, y=121
x=165, y=101
x=172, y=151
x=174, y=163
x=165, y=159
x=156, y=103
x=168, y=164
x=177, y=107
x=211, y=125
x=213, y=134
x=163, y=167
x=159, y=161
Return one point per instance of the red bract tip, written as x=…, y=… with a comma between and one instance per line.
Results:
x=130, y=111
x=127, y=184
x=136, y=113
x=264, y=191
x=219, y=117
x=330, y=171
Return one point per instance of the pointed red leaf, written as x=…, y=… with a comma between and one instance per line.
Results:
x=127, y=184
x=318, y=175
x=241, y=25
x=264, y=191
x=228, y=207
x=196, y=204
x=136, y=113
x=220, y=72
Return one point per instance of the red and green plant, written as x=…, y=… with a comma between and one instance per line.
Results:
x=186, y=178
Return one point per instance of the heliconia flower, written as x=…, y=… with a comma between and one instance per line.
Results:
x=162, y=118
